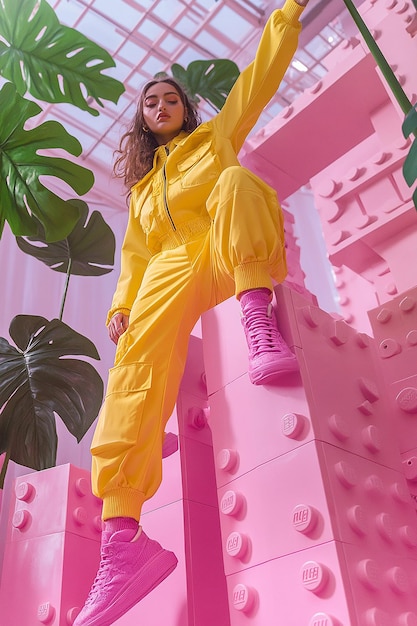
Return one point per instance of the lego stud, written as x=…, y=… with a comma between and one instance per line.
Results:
x=398, y=580
x=82, y=486
x=411, y=338
x=46, y=613
x=21, y=519
x=232, y=503
x=197, y=417
x=339, y=427
x=374, y=486
x=72, y=614
x=340, y=333
x=311, y=316
x=25, y=491
x=346, y=474
x=369, y=573
x=371, y=438
x=389, y=348
x=357, y=520
x=408, y=535
x=328, y=188
x=369, y=389
x=407, y=304
x=287, y=112
x=227, y=460
x=292, y=425
x=314, y=576
x=400, y=493
x=384, y=316
x=98, y=524
x=80, y=515
x=244, y=598
x=237, y=545
x=385, y=526
x=362, y=340
x=407, y=399
x=407, y=619
x=304, y=518
x=410, y=468
x=322, y=619
x=376, y=617
x=316, y=87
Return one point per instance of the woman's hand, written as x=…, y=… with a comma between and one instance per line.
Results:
x=117, y=326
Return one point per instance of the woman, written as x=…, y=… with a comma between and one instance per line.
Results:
x=201, y=228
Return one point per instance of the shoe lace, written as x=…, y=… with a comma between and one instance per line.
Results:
x=260, y=325
x=101, y=577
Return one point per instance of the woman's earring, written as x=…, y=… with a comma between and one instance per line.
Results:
x=145, y=130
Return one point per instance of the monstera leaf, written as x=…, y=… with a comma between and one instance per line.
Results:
x=210, y=80
x=24, y=200
x=87, y=251
x=37, y=380
x=409, y=127
x=52, y=62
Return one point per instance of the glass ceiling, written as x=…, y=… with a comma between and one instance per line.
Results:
x=147, y=36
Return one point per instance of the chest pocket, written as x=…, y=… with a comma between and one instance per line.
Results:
x=200, y=167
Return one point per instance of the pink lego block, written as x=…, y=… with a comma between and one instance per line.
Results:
x=252, y=425
x=309, y=588
x=395, y=331
x=409, y=462
x=344, y=387
x=46, y=579
x=273, y=510
x=369, y=504
x=54, y=500
x=394, y=326
x=336, y=129
x=384, y=588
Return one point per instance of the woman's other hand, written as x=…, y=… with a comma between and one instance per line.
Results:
x=117, y=326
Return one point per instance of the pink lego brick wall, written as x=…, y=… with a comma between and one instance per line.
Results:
x=293, y=503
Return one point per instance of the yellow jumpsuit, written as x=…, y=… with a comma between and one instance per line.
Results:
x=201, y=228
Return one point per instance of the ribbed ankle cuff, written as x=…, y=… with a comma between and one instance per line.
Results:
x=254, y=275
x=123, y=502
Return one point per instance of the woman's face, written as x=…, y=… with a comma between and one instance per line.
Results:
x=163, y=112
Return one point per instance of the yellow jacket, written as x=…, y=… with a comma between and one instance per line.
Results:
x=170, y=199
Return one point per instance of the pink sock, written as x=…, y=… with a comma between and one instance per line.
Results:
x=114, y=524
x=254, y=294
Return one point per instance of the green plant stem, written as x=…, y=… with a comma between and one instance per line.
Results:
x=4, y=469
x=64, y=297
x=381, y=61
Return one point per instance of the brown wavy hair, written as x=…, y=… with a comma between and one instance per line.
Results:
x=137, y=146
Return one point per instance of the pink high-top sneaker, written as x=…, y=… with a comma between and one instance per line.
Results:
x=269, y=355
x=131, y=566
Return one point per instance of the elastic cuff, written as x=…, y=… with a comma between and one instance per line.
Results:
x=253, y=275
x=113, y=312
x=292, y=11
x=123, y=502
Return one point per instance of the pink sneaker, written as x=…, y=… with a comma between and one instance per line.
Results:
x=131, y=566
x=269, y=355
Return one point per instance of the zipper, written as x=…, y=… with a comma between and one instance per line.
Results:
x=165, y=192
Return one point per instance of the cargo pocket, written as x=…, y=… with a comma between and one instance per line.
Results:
x=121, y=415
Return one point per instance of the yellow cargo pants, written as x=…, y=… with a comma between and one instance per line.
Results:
x=242, y=249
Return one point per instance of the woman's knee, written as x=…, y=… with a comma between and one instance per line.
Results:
x=237, y=176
